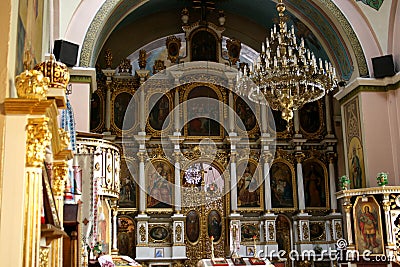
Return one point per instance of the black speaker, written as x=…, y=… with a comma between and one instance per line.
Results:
x=66, y=52
x=383, y=66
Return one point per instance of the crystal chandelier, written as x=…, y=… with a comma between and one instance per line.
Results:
x=286, y=75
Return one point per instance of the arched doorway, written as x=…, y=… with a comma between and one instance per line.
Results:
x=203, y=204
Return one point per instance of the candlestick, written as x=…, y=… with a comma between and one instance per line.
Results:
x=255, y=246
x=212, y=247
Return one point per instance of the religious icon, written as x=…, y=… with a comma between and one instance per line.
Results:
x=314, y=184
x=158, y=233
x=159, y=185
x=96, y=111
x=127, y=195
x=368, y=225
x=356, y=164
x=192, y=226
x=309, y=117
x=246, y=115
x=159, y=253
x=248, y=231
x=282, y=194
x=203, y=116
x=158, y=117
x=123, y=108
x=214, y=225
x=248, y=186
x=126, y=236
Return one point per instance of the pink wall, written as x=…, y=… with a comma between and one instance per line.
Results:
x=380, y=126
x=80, y=102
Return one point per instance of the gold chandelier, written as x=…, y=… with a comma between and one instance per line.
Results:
x=286, y=75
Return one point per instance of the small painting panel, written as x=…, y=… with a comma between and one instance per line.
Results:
x=159, y=186
x=126, y=236
x=245, y=114
x=96, y=111
x=249, y=186
x=127, y=195
x=310, y=117
x=315, y=184
x=249, y=231
x=214, y=225
x=158, y=117
x=159, y=233
x=250, y=251
x=123, y=111
x=282, y=183
x=159, y=253
x=203, y=116
x=356, y=164
x=368, y=225
x=192, y=226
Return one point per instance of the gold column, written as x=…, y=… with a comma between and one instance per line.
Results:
x=38, y=138
x=60, y=169
x=347, y=208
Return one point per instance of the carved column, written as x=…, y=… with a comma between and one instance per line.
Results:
x=178, y=198
x=267, y=156
x=264, y=119
x=114, y=249
x=142, y=184
x=38, y=138
x=296, y=122
x=233, y=185
x=231, y=113
x=328, y=117
x=388, y=221
x=300, y=184
x=176, y=113
x=347, y=208
x=60, y=170
x=332, y=182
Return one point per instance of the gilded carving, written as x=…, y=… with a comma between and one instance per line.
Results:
x=305, y=230
x=142, y=233
x=338, y=230
x=38, y=137
x=271, y=231
x=173, y=47
x=60, y=176
x=108, y=57
x=65, y=138
x=178, y=233
x=142, y=59
x=57, y=72
x=44, y=257
x=32, y=85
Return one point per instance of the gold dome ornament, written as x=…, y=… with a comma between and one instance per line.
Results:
x=56, y=71
x=32, y=84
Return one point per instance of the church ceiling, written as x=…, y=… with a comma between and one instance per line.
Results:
x=125, y=26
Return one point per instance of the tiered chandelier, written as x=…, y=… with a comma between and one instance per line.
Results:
x=286, y=75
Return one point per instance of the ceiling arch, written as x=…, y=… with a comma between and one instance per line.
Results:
x=140, y=22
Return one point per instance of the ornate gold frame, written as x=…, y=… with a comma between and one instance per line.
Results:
x=261, y=187
x=250, y=241
x=187, y=88
x=317, y=134
x=322, y=236
x=114, y=127
x=167, y=239
x=256, y=128
x=294, y=185
x=150, y=164
x=205, y=29
x=326, y=178
x=149, y=128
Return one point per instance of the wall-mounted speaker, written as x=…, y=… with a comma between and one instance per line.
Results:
x=383, y=66
x=66, y=52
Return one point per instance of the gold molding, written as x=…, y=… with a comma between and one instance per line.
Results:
x=20, y=106
x=60, y=176
x=38, y=137
x=44, y=257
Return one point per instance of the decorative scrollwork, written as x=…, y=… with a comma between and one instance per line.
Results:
x=305, y=231
x=60, y=176
x=142, y=233
x=38, y=137
x=179, y=233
